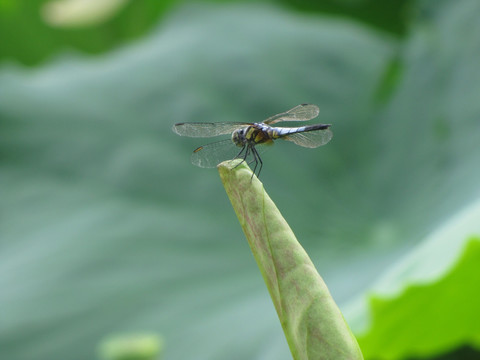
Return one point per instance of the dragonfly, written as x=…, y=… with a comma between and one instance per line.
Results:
x=245, y=137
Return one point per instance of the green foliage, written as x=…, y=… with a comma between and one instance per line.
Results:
x=131, y=347
x=105, y=227
x=28, y=38
x=389, y=15
x=429, y=318
x=435, y=289
x=311, y=321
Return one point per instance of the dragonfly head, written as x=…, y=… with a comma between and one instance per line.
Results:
x=238, y=137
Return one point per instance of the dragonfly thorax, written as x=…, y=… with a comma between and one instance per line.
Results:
x=254, y=134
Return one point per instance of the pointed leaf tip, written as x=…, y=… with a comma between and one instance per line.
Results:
x=312, y=323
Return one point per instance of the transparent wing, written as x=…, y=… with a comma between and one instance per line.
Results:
x=303, y=112
x=212, y=154
x=310, y=139
x=205, y=129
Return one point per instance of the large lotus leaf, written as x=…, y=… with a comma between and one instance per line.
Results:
x=106, y=227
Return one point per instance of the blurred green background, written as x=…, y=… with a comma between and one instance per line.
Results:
x=107, y=229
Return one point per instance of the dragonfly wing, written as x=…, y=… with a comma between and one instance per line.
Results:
x=303, y=112
x=310, y=139
x=210, y=155
x=206, y=129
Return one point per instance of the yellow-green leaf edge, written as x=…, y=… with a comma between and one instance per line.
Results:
x=428, y=319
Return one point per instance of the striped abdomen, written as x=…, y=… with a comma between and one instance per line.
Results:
x=279, y=132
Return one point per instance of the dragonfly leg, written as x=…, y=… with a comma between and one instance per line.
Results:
x=255, y=159
x=239, y=155
x=258, y=160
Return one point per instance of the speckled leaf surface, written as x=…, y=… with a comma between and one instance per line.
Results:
x=312, y=323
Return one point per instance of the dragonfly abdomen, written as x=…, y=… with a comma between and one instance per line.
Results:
x=279, y=132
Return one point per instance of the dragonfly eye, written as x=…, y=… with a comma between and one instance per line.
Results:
x=238, y=137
